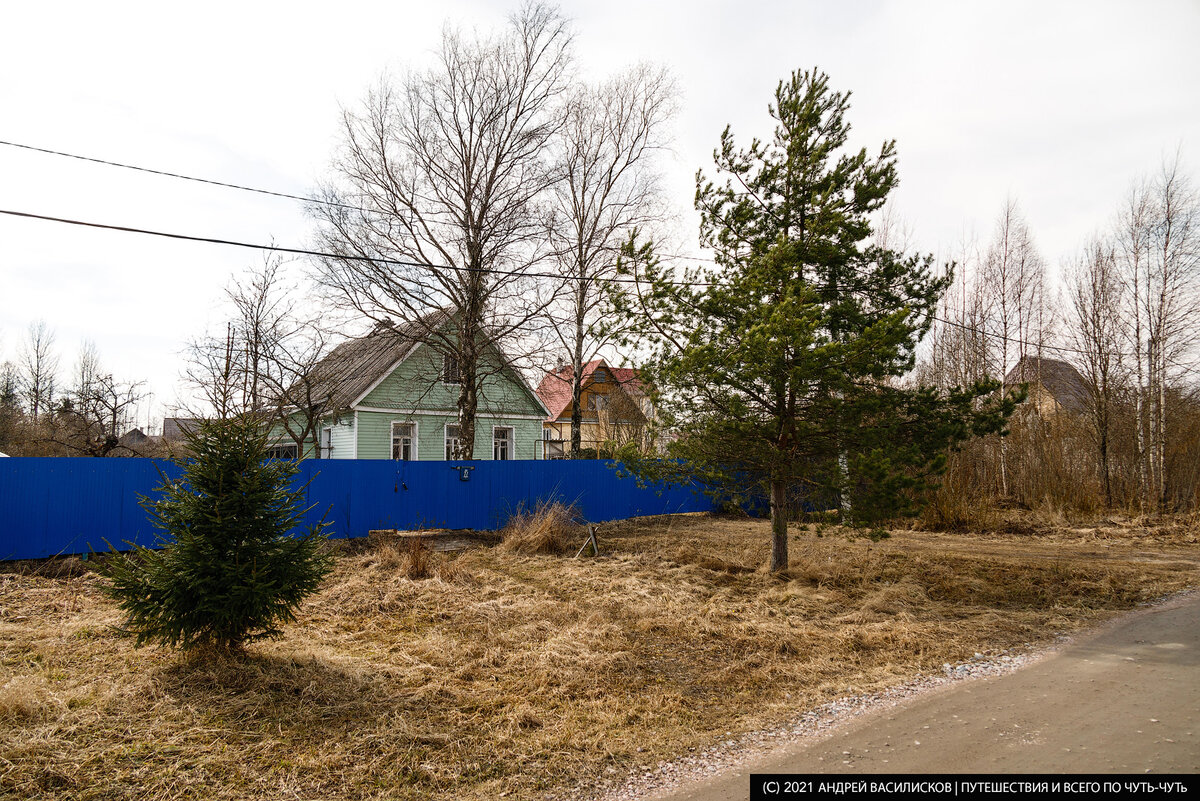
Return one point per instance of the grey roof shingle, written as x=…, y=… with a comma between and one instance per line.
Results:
x=356, y=364
x=353, y=366
x=1064, y=383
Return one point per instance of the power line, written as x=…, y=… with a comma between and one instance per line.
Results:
x=301, y=251
x=1058, y=348
x=245, y=188
x=180, y=176
x=487, y=270
x=370, y=259
x=319, y=254
x=228, y=185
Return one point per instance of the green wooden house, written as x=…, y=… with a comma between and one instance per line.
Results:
x=391, y=396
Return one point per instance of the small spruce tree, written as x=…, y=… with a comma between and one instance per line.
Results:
x=228, y=571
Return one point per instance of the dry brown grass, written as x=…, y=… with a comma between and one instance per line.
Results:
x=504, y=673
x=548, y=528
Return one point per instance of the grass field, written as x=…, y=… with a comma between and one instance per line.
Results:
x=512, y=675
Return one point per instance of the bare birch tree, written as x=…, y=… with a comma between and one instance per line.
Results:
x=11, y=414
x=1098, y=335
x=283, y=346
x=94, y=413
x=39, y=369
x=1013, y=275
x=607, y=189
x=1159, y=245
x=270, y=361
x=441, y=178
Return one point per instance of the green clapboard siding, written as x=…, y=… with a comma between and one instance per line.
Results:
x=375, y=435
x=343, y=438
x=416, y=384
x=416, y=392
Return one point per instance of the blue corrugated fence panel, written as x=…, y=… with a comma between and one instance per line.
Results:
x=52, y=506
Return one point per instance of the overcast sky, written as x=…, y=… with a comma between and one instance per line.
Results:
x=1061, y=106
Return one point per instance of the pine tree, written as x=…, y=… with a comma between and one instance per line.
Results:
x=228, y=571
x=779, y=368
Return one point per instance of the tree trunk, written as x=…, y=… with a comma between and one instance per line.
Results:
x=1104, y=466
x=1160, y=437
x=468, y=394
x=779, y=542
x=577, y=387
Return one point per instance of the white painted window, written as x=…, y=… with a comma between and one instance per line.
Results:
x=326, y=443
x=404, y=442
x=502, y=443
x=451, y=442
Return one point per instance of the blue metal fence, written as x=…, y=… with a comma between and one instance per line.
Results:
x=52, y=506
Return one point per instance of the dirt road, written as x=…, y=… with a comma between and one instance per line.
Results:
x=1124, y=699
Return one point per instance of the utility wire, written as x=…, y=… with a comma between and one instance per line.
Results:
x=317, y=253
x=243, y=187
x=487, y=270
x=179, y=176
x=226, y=185
x=372, y=259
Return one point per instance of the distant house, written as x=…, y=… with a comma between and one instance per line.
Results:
x=1054, y=385
x=135, y=438
x=392, y=396
x=615, y=407
x=176, y=429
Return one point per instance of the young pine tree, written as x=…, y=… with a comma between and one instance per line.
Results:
x=228, y=571
x=779, y=368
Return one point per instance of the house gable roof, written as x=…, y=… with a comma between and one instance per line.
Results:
x=179, y=427
x=357, y=367
x=1064, y=383
x=555, y=389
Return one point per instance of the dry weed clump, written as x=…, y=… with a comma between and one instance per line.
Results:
x=28, y=698
x=418, y=562
x=504, y=674
x=550, y=527
x=408, y=555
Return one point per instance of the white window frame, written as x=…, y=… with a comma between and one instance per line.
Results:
x=326, y=445
x=446, y=439
x=511, y=440
x=413, y=446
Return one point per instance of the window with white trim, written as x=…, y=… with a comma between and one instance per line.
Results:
x=451, y=442
x=404, y=442
x=502, y=443
x=327, y=443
